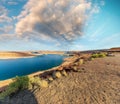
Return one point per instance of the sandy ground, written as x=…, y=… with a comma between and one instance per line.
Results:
x=98, y=82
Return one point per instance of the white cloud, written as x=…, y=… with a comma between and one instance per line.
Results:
x=5, y=18
x=11, y=2
x=6, y=25
x=7, y=37
x=59, y=19
x=6, y=29
x=3, y=10
x=4, y=15
x=53, y=21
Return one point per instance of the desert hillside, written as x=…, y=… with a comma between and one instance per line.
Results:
x=115, y=49
x=50, y=52
x=14, y=54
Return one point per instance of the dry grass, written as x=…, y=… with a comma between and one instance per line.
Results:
x=57, y=74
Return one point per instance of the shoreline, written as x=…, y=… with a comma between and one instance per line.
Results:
x=8, y=81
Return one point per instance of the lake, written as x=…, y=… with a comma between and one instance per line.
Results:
x=10, y=68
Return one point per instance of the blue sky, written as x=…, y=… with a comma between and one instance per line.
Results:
x=59, y=25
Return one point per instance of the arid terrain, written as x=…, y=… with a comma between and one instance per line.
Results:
x=13, y=54
x=9, y=55
x=97, y=82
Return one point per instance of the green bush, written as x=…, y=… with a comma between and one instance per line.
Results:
x=95, y=55
x=19, y=83
x=102, y=55
x=37, y=82
x=91, y=59
x=34, y=82
x=98, y=55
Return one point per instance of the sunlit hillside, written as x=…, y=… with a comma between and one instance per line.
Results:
x=14, y=54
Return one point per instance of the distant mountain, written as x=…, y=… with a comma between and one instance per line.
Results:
x=7, y=55
x=115, y=48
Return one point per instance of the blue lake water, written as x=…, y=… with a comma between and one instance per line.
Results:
x=10, y=68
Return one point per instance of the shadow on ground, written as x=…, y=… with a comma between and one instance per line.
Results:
x=24, y=97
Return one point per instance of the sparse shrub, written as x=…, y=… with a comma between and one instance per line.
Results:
x=19, y=83
x=30, y=87
x=98, y=55
x=102, y=55
x=81, y=61
x=95, y=55
x=37, y=82
x=34, y=82
x=75, y=68
x=43, y=83
x=91, y=59
x=50, y=78
x=64, y=73
x=56, y=74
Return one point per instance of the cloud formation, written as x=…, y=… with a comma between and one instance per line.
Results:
x=4, y=15
x=58, y=20
x=6, y=29
x=12, y=3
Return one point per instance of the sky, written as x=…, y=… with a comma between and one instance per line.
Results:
x=59, y=24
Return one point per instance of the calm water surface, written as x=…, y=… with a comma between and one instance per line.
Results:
x=23, y=66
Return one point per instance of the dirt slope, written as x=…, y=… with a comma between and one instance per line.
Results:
x=97, y=83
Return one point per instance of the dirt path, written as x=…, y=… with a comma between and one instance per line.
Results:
x=98, y=83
